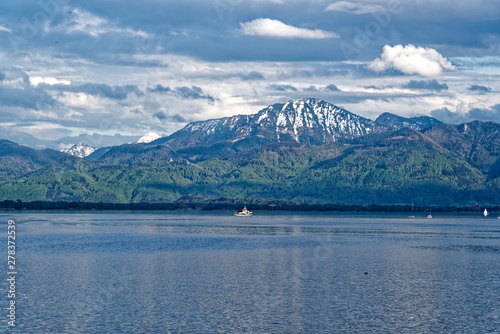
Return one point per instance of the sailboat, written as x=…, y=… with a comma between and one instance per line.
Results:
x=412, y=212
x=429, y=216
x=485, y=213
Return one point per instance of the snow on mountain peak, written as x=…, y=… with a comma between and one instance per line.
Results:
x=148, y=137
x=79, y=150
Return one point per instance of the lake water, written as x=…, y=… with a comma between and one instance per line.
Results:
x=280, y=273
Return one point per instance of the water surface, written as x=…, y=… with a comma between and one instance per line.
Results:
x=279, y=273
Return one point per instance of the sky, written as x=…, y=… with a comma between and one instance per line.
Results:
x=107, y=72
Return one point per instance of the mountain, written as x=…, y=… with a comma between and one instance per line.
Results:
x=476, y=142
x=97, y=154
x=79, y=150
x=405, y=166
x=393, y=122
x=17, y=160
x=307, y=121
x=137, y=153
x=305, y=151
x=148, y=137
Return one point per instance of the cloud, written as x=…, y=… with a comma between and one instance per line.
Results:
x=160, y=115
x=2, y=28
x=282, y=88
x=16, y=91
x=85, y=22
x=252, y=75
x=332, y=88
x=479, y=88
x=411, y=60
x=356, y=8
x=35, y=81
x=445, y=115
x=26, y=98
x=433, y=85
x=193, y=93
x=491, y=114
x=271, y=1
x=278, y=29
x=102, y=90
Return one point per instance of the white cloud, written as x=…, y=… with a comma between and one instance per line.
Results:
x=45, y=130
x=356, y=8
x=410, y=60
x=83, y=21
x=278, y=29
x=35, y=81
x=2, y=28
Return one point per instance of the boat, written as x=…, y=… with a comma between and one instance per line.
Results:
x=243, y=212
x=412, y=212
x=429, y=216
x=485, y=213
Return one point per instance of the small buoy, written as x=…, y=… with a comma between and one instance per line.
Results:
x=366, y=273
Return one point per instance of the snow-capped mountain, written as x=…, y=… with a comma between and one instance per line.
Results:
x=79, y=150
x=312, y=121
x=308, y=121
x=148, y=137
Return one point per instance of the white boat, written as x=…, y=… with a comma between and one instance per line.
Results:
x=485, y=213
x=412, y=212
x=243, y=212
x=429, y=216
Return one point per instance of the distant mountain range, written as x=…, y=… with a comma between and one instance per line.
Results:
x=304, y=151
x=79, y=150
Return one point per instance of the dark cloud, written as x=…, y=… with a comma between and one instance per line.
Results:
x=311, y=89
x=22, y=94
x=282, y=88
x=479, y=88
x=491, y=114
x=445, y=115
x=432, y=85
x=160, y=89
x=29, y=98
x=332, y=88
x=191, y=93
x=160, y=115
x=253, y=75
x=178, y=118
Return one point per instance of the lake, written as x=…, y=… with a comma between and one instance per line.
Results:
x=198, y=272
